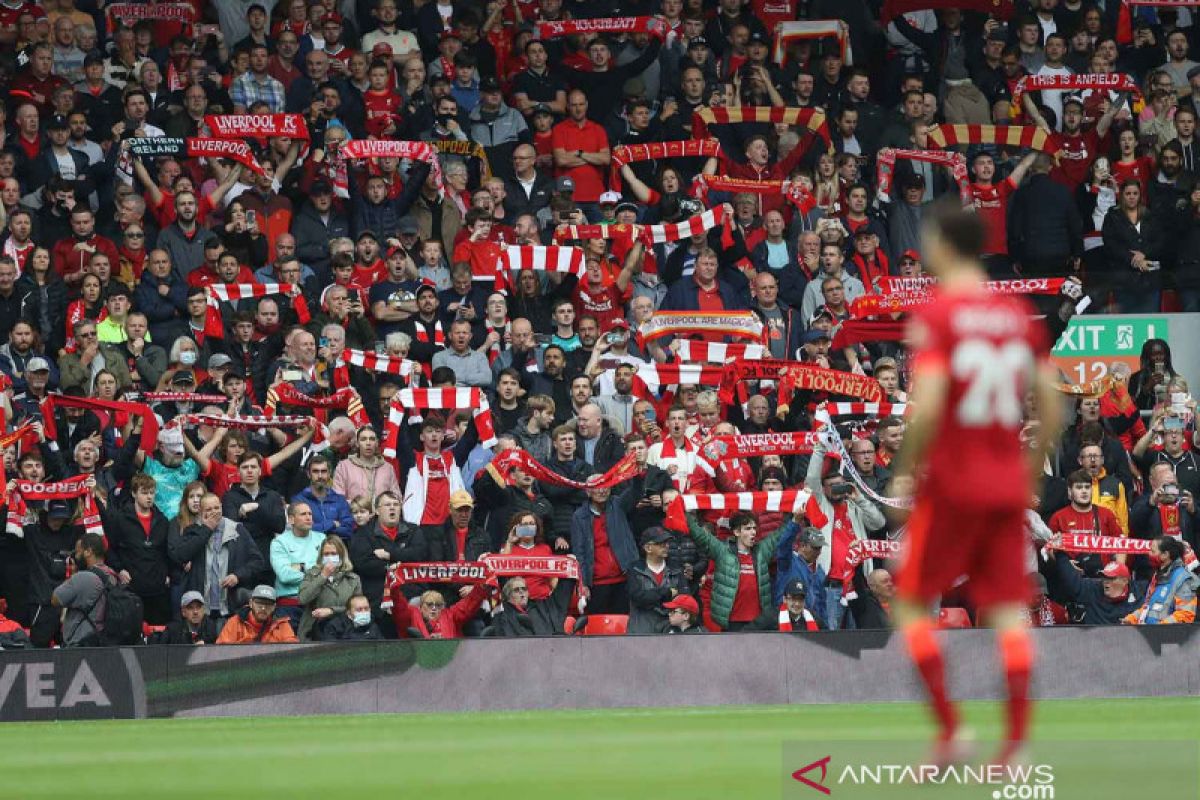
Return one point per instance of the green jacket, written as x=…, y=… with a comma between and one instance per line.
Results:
x=727, y=573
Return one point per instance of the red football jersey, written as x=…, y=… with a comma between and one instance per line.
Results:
x=990, y=347
x=991, y=203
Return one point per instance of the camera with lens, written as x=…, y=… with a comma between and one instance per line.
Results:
x=1170, y=494
x=841, y=491
x=58, y=565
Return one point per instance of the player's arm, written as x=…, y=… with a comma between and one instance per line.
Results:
x=1049, y=406
x=931, y=386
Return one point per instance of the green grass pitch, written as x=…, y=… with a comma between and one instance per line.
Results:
x=613, y=754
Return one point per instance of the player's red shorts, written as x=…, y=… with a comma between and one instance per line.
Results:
x=945, y=543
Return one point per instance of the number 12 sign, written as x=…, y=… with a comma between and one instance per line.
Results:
x=1090, y=345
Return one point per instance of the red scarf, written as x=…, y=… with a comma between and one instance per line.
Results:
x=516, y=458
x=80, y=486
x=149, y=438
x=785, y=619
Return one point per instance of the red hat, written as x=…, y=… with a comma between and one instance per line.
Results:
x=381, y=48
x=332, y=16
x=616, y=322
x=1114, y=570
x=686, y=602
x=910, y=253
x=449, y=34
x=832, y=466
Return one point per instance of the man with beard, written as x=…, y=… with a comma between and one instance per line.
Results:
x=991, y=203
x=425, y=327
x=146, y=362
x=1080, y=148
x=71, y=256
x=183, y=240
x=170, y=467
x=617, y=400
x=318, y=222
x=554, y=380
x=1171, y=187
x=522, y=354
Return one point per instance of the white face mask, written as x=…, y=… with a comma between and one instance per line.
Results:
x=187, y=357
x=333, y=561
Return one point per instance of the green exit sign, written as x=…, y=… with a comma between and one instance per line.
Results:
x=1100, y=336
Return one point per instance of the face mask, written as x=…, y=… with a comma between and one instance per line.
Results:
x=332, y=560
x=361, y=619
x=526, y=531
x=442, y=119
x=187, y=357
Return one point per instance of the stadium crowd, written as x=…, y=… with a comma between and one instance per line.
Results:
x=293, y=295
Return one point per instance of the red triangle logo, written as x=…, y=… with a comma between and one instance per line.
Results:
x=820, y=787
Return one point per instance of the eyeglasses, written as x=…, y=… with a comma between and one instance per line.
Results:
x=86, y=334
x=134, y=235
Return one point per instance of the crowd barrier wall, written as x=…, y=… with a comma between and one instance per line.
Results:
x=573, y=672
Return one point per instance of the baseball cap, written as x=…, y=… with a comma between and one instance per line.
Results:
x=772, y=473
x=542, y=108
x=332, y=16
x=37, y=364
x=910, y=254
x=425, y=287
x=381, y=49
x=320, y=187
x=59, y=509
x=821, y=312
x=656, y=535
x=218, y=360
x=795, y=588
x=395, y=250
x=626, y=206
x=758, y=37
x=57, y=122
x=699, y=41
x=407, y=225
x=365, y=233
x=998, y=34
x=235, y=370
x=1114, y=570
x=489, y=84
x=184, y=377
x=461, y=498
x=263, y=592
x=686, y=602
x=171, y=440
x=1074, y=98
x=609, y=198
x=616, y=322
x=191, y=597
x=450, y=34
x=564, y=185
x=213, y=243
x=812, y=537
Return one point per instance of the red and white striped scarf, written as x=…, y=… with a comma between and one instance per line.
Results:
x=389, y=365
x=866, y=409
x=708, y=324
x=957, y=162
x=719, y=352
x=80, y=486
x=788, y=501
x=678, y=231
x=343, y=399
x=785, y=619
x=443, y=399
x=494, y=350
x=631, y=153
x=228, y=292
x=579, y=233
x=655, y=376
x=564, y=260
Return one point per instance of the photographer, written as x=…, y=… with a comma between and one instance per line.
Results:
x=1165, y=510
x=81, y=594
x=50, y=538
x=847, y=516
x=1163, y=442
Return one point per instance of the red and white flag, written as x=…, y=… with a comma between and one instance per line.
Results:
x=719, y=352
x=555, y=258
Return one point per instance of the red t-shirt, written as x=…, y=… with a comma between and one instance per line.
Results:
x=843, y=537
x=604, y=304
x=989, y=348
x=147, y=521
x=606, y=569
x=1078, y=153
x=991, y=204
x=382, y=108
x=437, y=488
x=747, y=605
x=539, y=587
x=590, y=138
x=1140, y=170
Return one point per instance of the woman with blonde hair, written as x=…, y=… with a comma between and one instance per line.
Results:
x=326, y=588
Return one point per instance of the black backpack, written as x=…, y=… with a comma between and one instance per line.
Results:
x=123, y=614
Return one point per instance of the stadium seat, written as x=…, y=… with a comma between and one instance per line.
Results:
x=605, y=624
x=954, y=618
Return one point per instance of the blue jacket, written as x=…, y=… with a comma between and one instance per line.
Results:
x=620, y=535
x=331, y=515
x=162, y=313
x=684, y=296
x=791, y=567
